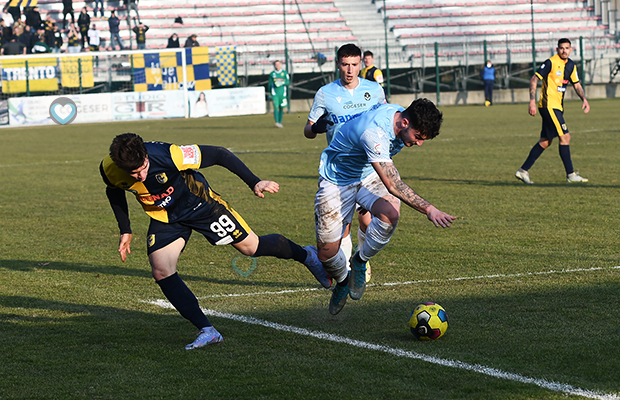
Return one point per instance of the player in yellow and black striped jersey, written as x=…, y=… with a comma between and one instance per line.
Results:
x=179, y=200
x=556, y=73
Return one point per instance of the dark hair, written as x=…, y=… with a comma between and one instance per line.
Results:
x=128, y=151
x=563, y=40
x=424, y=117
x=348, y=50
x=368, y=53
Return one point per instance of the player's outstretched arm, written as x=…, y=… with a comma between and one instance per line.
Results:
x=215, y=155
x=266, y=186
x=391, y=179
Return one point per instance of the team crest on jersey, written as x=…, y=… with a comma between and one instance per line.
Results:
x=366, y=96
x=150, y=241
x=161, y=178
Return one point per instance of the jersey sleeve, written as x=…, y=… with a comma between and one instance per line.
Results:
x=544, y=70
x=376, y=144
x=318, y=106
x=186, y=157
x=574, y=77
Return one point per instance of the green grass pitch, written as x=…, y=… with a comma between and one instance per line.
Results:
x=528, y=275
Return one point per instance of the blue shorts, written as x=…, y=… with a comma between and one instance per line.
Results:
x=553, y=124
x=221, y=226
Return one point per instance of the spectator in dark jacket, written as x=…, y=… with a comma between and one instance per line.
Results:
x=67, y=8
x=33, y=18
x=173, y=42
x=140, y=32
x=191, y=41
x=115, y=36
x=84, y=25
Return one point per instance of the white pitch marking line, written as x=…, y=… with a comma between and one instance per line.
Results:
x=493, y=372
x=463, y=278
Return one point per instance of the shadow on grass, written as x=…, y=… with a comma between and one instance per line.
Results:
x=32, y=265
x=511, y=182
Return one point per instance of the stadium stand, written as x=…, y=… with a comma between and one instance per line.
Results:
x=257, y=27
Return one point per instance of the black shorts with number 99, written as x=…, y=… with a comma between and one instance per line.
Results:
x=221, y=226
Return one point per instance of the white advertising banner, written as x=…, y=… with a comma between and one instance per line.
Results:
x=236, y=101
x=148, y=105
x=85, y=108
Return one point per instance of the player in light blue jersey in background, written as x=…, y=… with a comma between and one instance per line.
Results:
x=357, y=168
x=338, y=102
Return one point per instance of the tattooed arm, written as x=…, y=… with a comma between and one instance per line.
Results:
x=391, y=179
x=582, y=95
x=533, y=85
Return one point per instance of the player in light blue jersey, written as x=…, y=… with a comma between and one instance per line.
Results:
x=357, y=168
x=338, y=102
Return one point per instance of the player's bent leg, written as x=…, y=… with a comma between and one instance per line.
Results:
x=364, y=217
x=337, y=268
x=164, y=261
x=276, y=245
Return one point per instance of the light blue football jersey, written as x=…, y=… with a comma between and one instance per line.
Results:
x=343, y=104
x=362, y=140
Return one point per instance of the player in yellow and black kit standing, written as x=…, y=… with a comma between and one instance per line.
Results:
x=556, y=73
x=371, y=72
x=179, y=200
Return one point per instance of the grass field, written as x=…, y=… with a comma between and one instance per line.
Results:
x=529, y=275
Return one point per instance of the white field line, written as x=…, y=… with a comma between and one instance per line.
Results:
x=493, y=372
x=463, y=278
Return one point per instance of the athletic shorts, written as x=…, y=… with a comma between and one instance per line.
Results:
x=334, y=205
x=553, y=124
x=279, y=101
x=221, y=226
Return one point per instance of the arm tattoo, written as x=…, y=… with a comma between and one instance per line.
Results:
x=579, y=91
x=403, y=191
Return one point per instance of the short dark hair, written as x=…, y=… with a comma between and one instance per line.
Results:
x=563, y=40
x=128, y=151
x=424, y=117
x=349, y=50
x=369, y=53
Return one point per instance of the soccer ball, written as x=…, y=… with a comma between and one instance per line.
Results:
x=428, y=321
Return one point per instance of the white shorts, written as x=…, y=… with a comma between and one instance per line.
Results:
x=334, y=205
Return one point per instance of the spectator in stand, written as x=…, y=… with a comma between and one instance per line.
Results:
x=27, y=38
x=18, y=28
x=56, y=40
x=7, y=30
x=140, y=32
x=13, y=10
x=100, y=4
x=12, y=48
x=33, y=18
x=40, y=46
x=67, y=8
x=132, y=5
x=73, y=40
x=173, y=42
x=7, y=18
x=115, y=36
x=83, y=24
x=191, y=41
x=48, y=25
x=94, y=40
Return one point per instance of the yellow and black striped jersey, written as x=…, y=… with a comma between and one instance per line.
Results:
x=555, y=74
x=172, y=190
